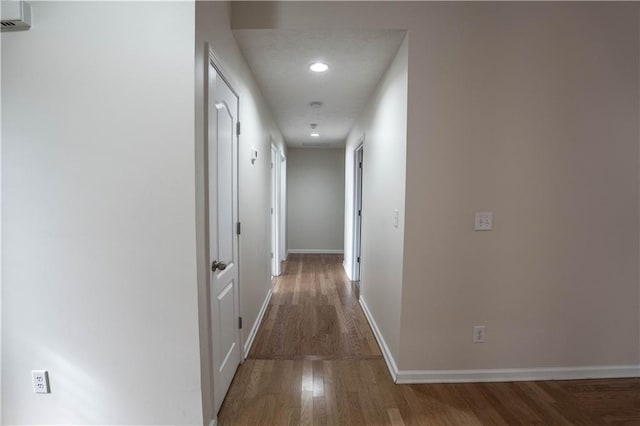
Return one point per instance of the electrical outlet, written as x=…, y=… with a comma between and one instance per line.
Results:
x=40, y=381
x=478, y=334
x=483, y=221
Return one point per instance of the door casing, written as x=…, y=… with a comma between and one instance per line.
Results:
x=274, y=217
x=358, y=155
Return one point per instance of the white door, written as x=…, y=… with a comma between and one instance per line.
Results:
x=223, y=238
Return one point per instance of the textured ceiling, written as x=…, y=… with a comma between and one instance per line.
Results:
x=280, y=62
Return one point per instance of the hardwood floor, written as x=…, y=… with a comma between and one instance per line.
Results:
x=314, y=314
x=315, y=361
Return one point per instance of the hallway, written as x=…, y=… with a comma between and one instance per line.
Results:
x=314, y=315
x=315, y=361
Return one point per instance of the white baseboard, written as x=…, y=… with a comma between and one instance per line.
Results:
x=315, y=251
x=256, y=324
x=213, y=422
x=517, y=374
x=494, y=375
x=386, y=352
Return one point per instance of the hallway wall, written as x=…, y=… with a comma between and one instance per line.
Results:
x=529, y=110
x=258, y=129
x=315, y=200
x=98, y=220
x=384, y=125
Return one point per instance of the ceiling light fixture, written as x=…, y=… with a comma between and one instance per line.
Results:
x=318, y=67
x=315, y=105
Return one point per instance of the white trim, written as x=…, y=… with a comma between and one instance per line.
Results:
x=346, y=271
x=356, y=220
x=494, y=375
x=315, y=251
x=517, y=374
x=282, y=256
x=256, y=324
x=276, y=204
x=386, y=352
x=220, y=68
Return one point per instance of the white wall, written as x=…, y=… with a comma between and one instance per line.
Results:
x=99, y=271
x=258, y=127
x=384, y=124
x=529, y=110
x=315, y=200
x=1, y=240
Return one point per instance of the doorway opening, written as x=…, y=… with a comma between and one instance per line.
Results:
x=357, y=212
x=282, y=211
x=277, y=210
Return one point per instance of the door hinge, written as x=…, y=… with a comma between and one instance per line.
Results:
x=238, y=228
x=359, y=212
x=360, y=164
x=271, y=210
x=358, y=259
x=239, y=322
x=238, y=128
x=272, y=255
x=272, y=165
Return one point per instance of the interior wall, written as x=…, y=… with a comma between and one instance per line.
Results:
x=315, y=200
x=1, y=240
x=258, y=128
x=384, y=127
x=99, y=271
x=529, y=110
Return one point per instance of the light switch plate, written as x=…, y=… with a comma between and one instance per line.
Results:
x=483, y=221
x=478, y=334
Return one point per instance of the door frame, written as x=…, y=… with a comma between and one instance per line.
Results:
x=215, y=62
x=283, y=210
x=274, y=206
x=356, y=235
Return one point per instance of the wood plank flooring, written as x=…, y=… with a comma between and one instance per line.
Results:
x=315, y=362
x=314, y=314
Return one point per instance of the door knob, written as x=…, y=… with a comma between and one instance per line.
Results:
x=221, y=266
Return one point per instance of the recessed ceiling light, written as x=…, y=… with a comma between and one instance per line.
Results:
x=315, y=135
x=318, y=67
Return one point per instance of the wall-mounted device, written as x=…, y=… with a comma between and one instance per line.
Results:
x=254, y=155
x=40, y=381
x=16, y=15
x=483, y=221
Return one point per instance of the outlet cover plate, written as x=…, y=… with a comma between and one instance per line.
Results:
x=40, y=380
x=478, y=334
x=483, y=221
